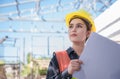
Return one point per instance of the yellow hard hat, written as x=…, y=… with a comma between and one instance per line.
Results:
x=82, y=14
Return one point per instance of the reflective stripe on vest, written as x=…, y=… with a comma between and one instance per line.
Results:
x=63, y=60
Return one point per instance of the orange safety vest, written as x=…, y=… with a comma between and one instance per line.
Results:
x=63, y=60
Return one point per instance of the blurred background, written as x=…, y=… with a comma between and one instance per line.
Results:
x=31, y=30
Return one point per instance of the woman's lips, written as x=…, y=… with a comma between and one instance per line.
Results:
x=73, y=35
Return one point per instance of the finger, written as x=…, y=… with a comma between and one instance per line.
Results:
x=81, y=62
x=76, y=68
x=78, y=61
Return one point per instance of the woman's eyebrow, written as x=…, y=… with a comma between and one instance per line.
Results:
x=71, y=23
x=80, y=23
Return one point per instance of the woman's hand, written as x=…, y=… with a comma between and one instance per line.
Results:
x=74, y=65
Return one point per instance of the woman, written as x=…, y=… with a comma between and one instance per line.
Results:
x=80, y=25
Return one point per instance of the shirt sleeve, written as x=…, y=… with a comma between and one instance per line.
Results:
x=65, y=74
x=54, y=72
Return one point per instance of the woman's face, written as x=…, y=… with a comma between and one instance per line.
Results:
x=78, y=31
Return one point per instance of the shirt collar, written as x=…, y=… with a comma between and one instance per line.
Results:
x=70, y=50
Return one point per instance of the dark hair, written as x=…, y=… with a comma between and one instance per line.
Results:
x=87, y=23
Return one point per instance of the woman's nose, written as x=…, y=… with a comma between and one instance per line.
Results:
x=74, y=28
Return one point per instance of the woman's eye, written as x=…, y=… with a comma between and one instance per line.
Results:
x=80, y=26
x=70, y=26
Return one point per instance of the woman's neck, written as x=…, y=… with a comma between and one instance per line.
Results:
x=78, y=47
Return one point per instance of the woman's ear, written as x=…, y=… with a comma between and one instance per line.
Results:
x=88, y=34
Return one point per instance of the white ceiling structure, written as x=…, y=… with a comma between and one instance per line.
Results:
x=36, y=10
x=108, y=23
